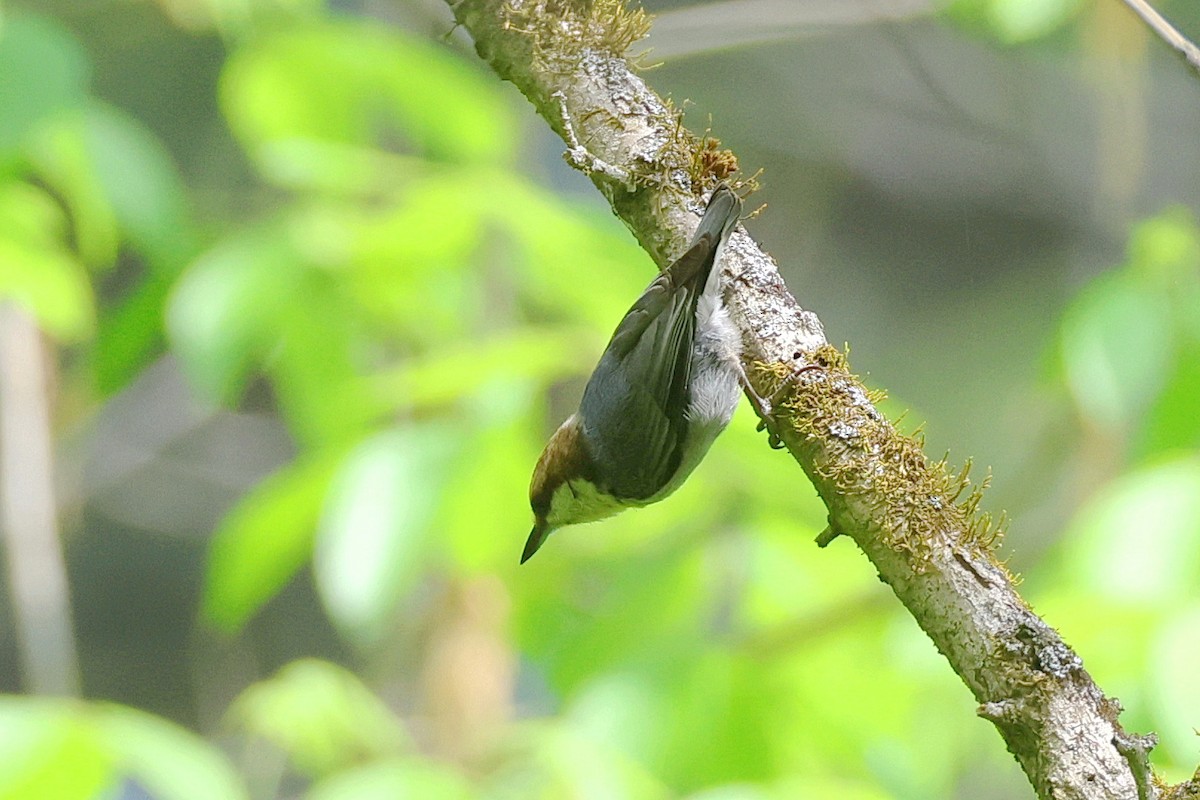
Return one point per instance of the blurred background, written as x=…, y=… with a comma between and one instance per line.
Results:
x=293, y=293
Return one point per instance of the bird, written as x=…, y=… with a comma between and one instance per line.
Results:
x=665, y=387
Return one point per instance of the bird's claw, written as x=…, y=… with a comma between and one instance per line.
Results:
x=766, y=413
x=768, y=421
x=773, y=439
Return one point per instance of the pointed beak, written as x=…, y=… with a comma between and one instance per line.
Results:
x=536, y=536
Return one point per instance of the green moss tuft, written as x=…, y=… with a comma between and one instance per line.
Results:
x=563, y=33
x=564, y=30
x=872, y=459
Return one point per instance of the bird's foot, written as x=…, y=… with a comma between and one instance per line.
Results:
x=768, y=420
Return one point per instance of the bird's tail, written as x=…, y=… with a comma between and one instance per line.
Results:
x=722, y=214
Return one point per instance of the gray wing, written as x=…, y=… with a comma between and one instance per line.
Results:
x=633, y=407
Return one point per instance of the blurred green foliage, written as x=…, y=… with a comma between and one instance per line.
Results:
x=1015, y=21
x=64, y=749
x=409, y=299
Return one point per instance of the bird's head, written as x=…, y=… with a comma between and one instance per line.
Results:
x=559, y=463
x=564, y=490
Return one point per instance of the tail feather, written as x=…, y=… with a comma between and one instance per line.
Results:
x=724, y=208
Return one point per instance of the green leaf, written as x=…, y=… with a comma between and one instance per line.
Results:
x=43, y=71
x=433, y=230
x=1165, y=250
x=580, y=618
x=1115, y=345
x=565, y=762
x=30, y=218
x=255, y=302
x=574, y=263
x=374, y=535
x=60, y=157
x=361, y=84
x=738, y=792
x=460, y=369
x=36, y=270
x=142, y=185
x=391, y=779
x=1017, y=21
x=1174, y=690
x=265, y=540
x=1014, y=21
x=225, y=310
x=488, y=532
x=818, y=787
x=65, y=749
x=1140, y=538
x=322, y=716
x=121, y=182
x=130, y=334
x=1172, y=423
x=719, y=693
x=49, y=748
x=169, y=762
x=313, y=366
x=787, y=588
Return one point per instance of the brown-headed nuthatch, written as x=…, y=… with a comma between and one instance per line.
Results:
x=667, y=384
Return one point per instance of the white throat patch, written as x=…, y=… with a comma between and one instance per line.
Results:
x=579, y=501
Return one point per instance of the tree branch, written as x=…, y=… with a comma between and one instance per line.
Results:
x=905, y=513
x=1166, y=31
x=36, y=572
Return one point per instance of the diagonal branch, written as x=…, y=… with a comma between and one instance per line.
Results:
x=1166, y=31
x=905, y=512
